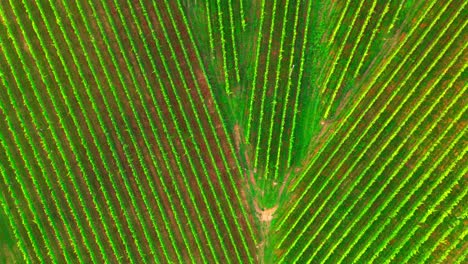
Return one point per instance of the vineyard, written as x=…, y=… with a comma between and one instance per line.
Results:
x=223, y=131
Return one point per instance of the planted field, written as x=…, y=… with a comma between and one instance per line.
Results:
x=233, y=131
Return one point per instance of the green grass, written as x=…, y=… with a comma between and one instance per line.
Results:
x=225, y=131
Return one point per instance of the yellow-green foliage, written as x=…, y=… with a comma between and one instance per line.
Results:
x=223, y=131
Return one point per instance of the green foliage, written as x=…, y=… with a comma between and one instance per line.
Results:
x=224, y=131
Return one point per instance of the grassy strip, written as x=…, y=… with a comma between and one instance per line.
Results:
x=253, y=85
x=223, y=48
x=210, y=29
x=308, y=109
x=233, y=37
x=264, y=90
x=275, y=94
x=288, y=90
x=303, y=56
